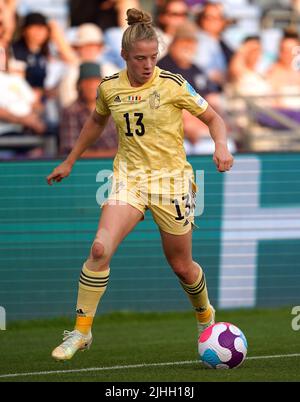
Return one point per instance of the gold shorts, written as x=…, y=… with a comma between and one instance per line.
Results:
x=173, y=214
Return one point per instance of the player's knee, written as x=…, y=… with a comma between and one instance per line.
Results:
x=98, y=251
x=180, y=268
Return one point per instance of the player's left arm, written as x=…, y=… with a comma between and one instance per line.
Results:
x=222, y=157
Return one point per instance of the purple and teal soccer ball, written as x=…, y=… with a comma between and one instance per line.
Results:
x=222, y=346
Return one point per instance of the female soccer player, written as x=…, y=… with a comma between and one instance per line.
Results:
x=150, y=172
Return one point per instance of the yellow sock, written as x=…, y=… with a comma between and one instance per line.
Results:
x=92, y=286
x=204, y=317
x=197, y=293
x=84, y=324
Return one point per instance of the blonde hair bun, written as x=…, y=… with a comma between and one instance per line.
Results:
x=140, y=28
x=135, y=16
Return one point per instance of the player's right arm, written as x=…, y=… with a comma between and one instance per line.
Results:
x=90, y=132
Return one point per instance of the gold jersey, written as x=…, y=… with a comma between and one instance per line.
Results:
x=149, y=121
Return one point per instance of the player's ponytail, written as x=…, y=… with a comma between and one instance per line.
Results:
x=140, y=28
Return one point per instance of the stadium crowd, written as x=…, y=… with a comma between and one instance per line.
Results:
x=242, y=56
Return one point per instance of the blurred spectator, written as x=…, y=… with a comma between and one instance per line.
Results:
x=284, y=80
x=105, y=13
x=89, y=46
x=244, y=76
x=180, y=60
x=17, y=106
x=74, y=117
x=37, y=34
x=213, y=53
x=33, y=48
x=282, y=15
x=284, y=74
x=170, y=16
x=7, y=28
x=296, y=6
x=181, y=55
x=7, y=20
x=245, y=81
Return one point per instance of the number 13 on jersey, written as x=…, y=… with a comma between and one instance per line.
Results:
x=138, y=129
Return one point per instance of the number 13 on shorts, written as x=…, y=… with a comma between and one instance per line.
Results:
x=185, y=205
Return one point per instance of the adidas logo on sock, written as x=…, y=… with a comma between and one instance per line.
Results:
x=200, y=309
x=80, y=312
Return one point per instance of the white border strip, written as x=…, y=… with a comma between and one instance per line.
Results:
x=132, y=366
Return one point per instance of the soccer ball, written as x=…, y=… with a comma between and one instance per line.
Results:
x=222, y=346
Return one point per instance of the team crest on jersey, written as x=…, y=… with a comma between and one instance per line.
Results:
x=154, y=100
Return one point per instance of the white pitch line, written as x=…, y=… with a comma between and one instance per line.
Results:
x=132, y=366
x=272, y=356
x=99, y=369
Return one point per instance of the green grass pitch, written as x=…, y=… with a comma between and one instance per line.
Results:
x=128, y=339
